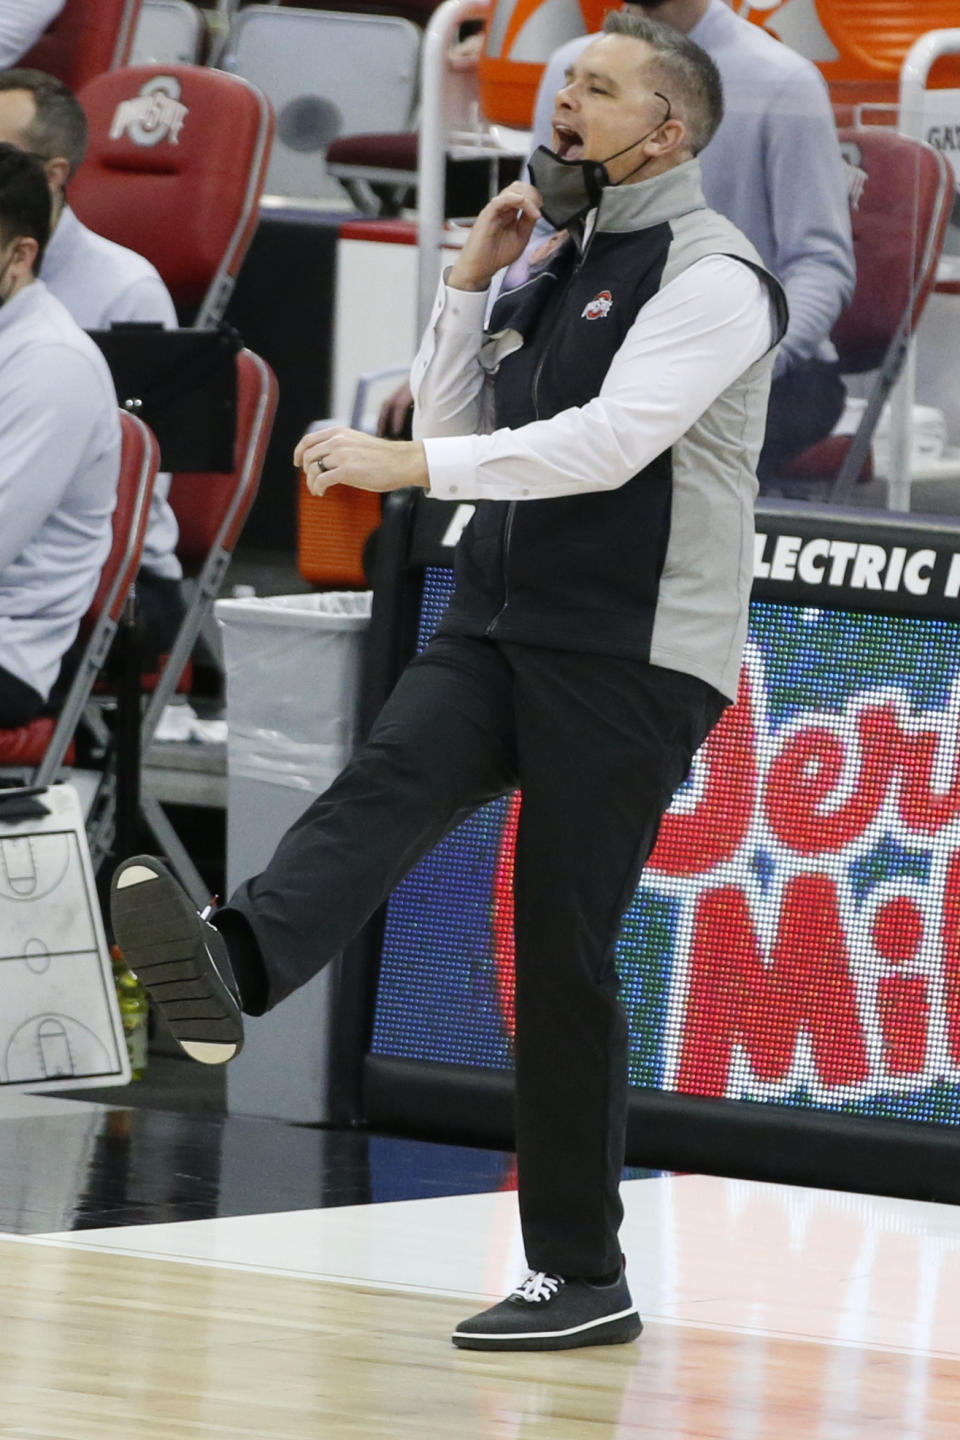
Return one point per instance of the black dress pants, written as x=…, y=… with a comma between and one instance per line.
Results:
x=160, y=610
x=805, y=403
x=19, y=702
x=598, y=745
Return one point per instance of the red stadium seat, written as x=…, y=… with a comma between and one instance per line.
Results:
x=40, y=748
x=900, y=207
x=175, y=170
x=87, y=38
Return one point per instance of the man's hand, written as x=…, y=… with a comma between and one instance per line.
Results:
x=395, y=412
x=498, y=237
x=351, y=457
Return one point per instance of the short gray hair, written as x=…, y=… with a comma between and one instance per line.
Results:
x=59, y=126
x=689, y=77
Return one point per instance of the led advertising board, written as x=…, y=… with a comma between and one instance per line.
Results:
x=795, y=939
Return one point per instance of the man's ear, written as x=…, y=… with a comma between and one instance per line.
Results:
x=58, y=173
x=672, y=136
x=25, y=252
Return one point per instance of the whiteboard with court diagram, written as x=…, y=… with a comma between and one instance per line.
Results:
x=60, y=1024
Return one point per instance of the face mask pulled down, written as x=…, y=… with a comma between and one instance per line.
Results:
x=569, y=189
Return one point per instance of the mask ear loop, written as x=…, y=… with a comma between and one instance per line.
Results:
x=668, y=116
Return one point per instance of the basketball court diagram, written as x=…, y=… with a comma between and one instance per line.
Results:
x=59, y=1021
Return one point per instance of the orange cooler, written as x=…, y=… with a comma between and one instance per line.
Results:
x=521, y=36
x=859, y=45
x=855, y=42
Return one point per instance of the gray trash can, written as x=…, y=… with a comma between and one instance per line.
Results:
x=292, y=665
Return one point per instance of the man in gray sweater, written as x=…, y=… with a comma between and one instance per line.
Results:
x=775, y=169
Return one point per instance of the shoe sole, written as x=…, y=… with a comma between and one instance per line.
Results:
x=617, y=1332
x=161, y=939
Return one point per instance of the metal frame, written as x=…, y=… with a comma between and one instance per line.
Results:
x=125, y=34
x=440, y=136
x=913, y=83
x=892, y=366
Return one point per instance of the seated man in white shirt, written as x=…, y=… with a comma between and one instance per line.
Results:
x=101, y=284
x=59, y=454
x=22, y=22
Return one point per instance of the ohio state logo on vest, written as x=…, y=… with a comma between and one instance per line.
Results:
x=597, y=308
x=154, y=115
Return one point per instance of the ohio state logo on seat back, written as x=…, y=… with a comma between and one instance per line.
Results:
x=154, y=115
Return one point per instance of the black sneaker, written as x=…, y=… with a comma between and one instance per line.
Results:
x=179, y=958
x=547, y=1312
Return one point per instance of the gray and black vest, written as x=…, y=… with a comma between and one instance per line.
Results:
x=660, y=568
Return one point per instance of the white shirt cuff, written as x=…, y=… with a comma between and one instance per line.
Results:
x=462, y=309
x=450, y=458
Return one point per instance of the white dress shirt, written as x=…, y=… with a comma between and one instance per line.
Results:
x=59, y=462
x=686, y=346
x=103, y=284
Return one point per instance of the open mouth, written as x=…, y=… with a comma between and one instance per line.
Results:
x=568, y=143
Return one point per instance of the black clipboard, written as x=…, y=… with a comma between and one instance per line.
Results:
x=183, y=384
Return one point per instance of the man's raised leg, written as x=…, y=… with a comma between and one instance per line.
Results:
x=442, y=746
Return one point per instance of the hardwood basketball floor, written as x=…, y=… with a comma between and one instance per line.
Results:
x=113, y=1347
x=771, y=1313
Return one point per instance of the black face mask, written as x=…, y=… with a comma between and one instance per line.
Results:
x=569, y=189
